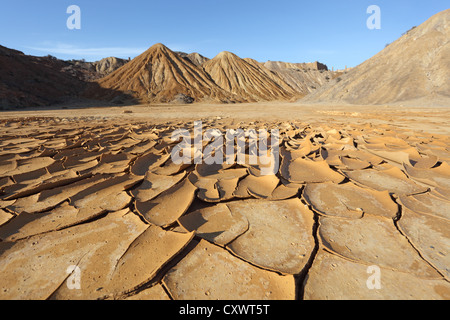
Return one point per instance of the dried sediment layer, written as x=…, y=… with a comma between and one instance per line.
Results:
x=169, y=205
x=308, y=171
x=430, y=235
x=230, y=279
x=349, y=201
x=94, y=248
x=334, y=278
x=375, y=241
x=393, y=179
x=108, y=198
x=275, y=235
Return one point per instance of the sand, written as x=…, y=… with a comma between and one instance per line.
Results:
x=96, y=189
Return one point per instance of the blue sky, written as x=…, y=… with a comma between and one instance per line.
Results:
x=332, y=32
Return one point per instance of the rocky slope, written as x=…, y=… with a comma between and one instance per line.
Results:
x=302, y=77
x=247, y=78
x=159, y=75
x=106, y=66
x=413, y=69
x=35, y=81
x=194, y=57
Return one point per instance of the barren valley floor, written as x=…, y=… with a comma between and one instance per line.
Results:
x=429, y=119
x=93, y=207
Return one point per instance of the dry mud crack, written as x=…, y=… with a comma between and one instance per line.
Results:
x=97, y=209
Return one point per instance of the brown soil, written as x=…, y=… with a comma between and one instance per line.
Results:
x=97, y=189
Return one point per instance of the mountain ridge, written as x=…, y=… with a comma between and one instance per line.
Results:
x=413, y=69
x=247, y=78
x=158, y=75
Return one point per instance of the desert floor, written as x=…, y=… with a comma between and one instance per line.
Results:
x=429, y=119
x=92, y=206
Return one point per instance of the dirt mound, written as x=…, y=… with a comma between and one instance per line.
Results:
x=159, y=75
x=414, y=68
x=247, y=78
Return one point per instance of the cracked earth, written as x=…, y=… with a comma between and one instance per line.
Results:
x=103, y=195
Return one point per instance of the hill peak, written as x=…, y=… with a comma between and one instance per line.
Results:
x=160, y=75
x=247, y=79
x=158, y=46
x=226, y=54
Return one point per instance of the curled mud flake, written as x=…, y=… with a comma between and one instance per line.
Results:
x=169, y=205
x=7, y=166
x=438, y=176
x=27, y=165
x=147, y=162
x=112, y=163
x=260, y=187
x=226, y=188
x=154, y=185
x=170, y=168
x=399, y=156
x=442, y=193
x=428, y=204
x=207, y=188
x=25, y=224
x=283, y=192
x=354, y=164
x=216, y=224
x=424, y=162
x=108, y=195
x=5, y=217
x=219, y=171
x=49, y=199
x=140, y=148
x=148, y=253
x=46, y=181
